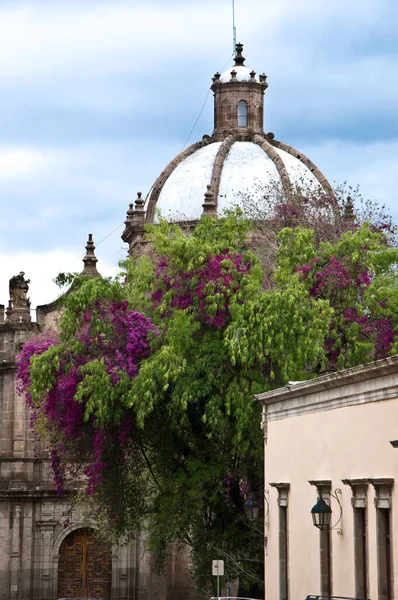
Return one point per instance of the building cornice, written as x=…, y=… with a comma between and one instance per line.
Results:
x=23, y=494
x=319, y=483
x=359, y=385
x=356, y=482
x=280, y=485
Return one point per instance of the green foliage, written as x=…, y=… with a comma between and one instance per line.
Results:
x=224, y=330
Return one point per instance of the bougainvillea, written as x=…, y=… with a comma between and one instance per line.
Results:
x=363, y=327
x=108, y=348
x=153, y=410
x=207, y=290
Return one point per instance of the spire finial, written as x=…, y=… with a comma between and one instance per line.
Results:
x=209, y=205
x=239, y=58
x=139, y=203
x=90, y=260
x=130, y=213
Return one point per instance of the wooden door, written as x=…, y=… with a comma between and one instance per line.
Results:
x=84, y=568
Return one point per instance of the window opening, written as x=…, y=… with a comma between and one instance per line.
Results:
x=242, y=113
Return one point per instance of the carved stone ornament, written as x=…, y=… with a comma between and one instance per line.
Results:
x=19, y=291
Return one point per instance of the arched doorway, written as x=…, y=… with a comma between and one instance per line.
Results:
x=84, y=567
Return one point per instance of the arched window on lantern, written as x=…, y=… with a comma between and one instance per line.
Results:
x=242, y=113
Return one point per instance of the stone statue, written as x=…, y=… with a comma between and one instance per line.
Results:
x=18, y=291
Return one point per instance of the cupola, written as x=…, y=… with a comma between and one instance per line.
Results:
x=239, y=159
x=238, y=100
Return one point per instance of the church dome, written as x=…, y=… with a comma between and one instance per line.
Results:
x=239, y=159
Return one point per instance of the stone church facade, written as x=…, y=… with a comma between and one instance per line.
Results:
x=45, y=551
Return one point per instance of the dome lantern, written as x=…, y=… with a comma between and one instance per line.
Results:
x=238, y=92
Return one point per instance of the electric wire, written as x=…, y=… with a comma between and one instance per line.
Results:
x=185, y=145
x=103, y=240
x=204, y=104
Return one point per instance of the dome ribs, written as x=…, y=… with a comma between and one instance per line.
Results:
x=157, y=187
x=278, y=162
x=218, y=165
x=308, y=163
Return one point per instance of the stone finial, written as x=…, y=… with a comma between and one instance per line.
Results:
x=209, y=205
x=252, y=75
x=239, y=58
x=263, y=79
x=130, y=213
x=133, y=233
x=138, y=214
x=216, y=77
x=348, y=214
x=19, y=304
x=90, y=260
x=233, y=75
x=139, y=203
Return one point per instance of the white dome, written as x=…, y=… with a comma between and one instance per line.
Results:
x=238, y=161
x=242, y=74
x=182, y=195
x=247, y=170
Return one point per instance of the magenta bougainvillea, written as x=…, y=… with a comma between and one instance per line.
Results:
x=119, y=339
x=33, y=347
x=358, y=324
x=207, y=290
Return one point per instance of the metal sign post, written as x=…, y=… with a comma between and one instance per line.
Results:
x=217, y=567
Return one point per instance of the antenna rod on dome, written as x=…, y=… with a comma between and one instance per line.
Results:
x=233, y=28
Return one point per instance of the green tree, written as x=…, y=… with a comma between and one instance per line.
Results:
x=147, y=390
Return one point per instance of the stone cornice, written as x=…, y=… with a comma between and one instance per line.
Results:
x=281, y=485
x=384, y=481
x=7, y=365
x=31, y=494
x=318, y=483
x=356, y=482
x=50, y=524
x=359, y=385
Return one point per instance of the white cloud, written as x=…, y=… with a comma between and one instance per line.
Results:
x=41, y=38
x=18, y=162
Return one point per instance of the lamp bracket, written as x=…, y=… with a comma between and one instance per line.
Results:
x=335, y=495
x=266, y=513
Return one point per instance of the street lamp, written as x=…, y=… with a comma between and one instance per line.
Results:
x=321, y=514
x=251, y=508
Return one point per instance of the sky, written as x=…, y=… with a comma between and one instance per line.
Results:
x=97, y=96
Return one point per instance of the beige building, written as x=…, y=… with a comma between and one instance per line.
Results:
x=332, y=437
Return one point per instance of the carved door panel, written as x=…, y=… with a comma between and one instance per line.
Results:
x=84, y=567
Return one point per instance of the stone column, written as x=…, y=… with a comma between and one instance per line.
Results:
x=45, y=569
x=15, y=558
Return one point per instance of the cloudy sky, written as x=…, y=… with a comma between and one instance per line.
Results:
x=97, y=96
